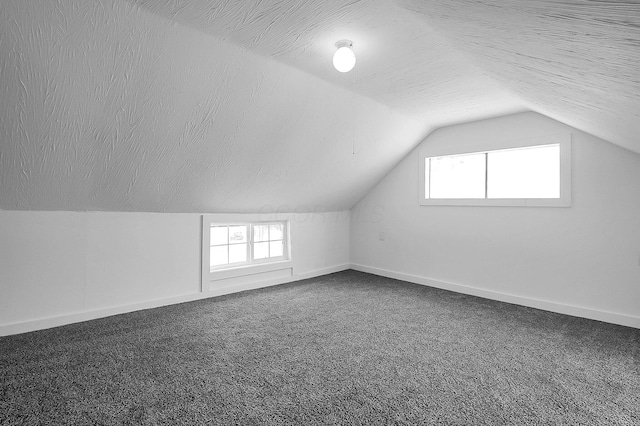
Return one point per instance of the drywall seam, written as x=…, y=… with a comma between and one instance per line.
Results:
x=60, y=320
x=560, y=308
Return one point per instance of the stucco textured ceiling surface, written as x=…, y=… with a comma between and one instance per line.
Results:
x=401, y=61
x=220, y=106
x=106, y=106
x=577, y=61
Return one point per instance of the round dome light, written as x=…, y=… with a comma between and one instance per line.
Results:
x=344, y=59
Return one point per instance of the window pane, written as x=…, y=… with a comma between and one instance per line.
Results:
x=218, y=256
x=261, y=233
x=275, y=232
x=237, y=253
x=458, y=176
x=238, y=234
x=261, y=250
x=218, y=235
x=276, y=248
x=525, y=173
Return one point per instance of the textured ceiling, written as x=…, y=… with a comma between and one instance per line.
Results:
x=107, y=106
x=220, y=106
x=401, y=61
x=577, y=61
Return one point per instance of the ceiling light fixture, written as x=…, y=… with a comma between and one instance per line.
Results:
x=344, y=59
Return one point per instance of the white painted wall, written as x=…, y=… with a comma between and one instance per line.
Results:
x=63, y=267
x=583, y=260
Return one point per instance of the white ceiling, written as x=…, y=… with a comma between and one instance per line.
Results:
x=401, y=61
x=577, y=61
x=220, y=106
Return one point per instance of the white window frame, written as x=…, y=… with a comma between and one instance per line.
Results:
x=250, y=267
x=285, y=233
x=564, y=140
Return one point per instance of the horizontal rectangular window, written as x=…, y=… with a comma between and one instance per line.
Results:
x=531, y=175
x=233, y=245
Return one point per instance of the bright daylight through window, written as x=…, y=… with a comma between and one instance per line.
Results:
x=233, y=245
x=537, y=175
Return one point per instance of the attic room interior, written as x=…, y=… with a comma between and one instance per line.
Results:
x=204, y=219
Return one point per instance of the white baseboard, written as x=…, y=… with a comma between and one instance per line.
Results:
x=44, y=323
x=276, y=281
x=75, y=317
x=577, y=311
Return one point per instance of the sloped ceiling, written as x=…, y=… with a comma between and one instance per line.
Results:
x=577, y=61
x=229, y=106
x=402, y=63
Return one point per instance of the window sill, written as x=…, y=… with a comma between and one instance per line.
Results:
x=499, y=202
x=243, y=270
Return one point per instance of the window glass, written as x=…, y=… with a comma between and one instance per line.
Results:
x=219, y=255
x=457, y=176
x=261, y=250
x=237, y=253
x=228, y=245
x=276, y=249
x=237, y=234
x=261, y=233
x=532, y=172
x=219, y=235
x=276, y=232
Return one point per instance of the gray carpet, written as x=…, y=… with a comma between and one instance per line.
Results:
x=346, y=348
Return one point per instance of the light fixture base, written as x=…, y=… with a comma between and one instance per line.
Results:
x=344, y=43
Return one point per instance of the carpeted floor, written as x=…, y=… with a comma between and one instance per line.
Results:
x=346, y=348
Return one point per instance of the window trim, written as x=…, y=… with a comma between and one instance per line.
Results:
x=246, y=268
x=563, y=139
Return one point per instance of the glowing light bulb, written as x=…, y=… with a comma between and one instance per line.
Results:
x=344, y=59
